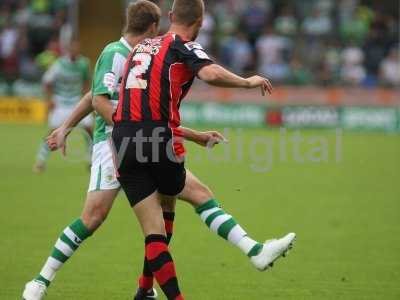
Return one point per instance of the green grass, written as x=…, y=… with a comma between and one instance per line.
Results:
x=346, y=215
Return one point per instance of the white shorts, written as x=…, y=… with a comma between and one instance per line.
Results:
x=103, y=173
x=61, y=112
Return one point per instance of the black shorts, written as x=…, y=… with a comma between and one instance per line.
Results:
x=146, y=161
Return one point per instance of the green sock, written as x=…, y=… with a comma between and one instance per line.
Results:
x=66, y=245
x=226, y=227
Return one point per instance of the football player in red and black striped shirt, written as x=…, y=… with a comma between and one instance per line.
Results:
x=148, y=140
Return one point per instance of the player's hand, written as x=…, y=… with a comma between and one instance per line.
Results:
x=57, y=140
x=209, y=139
x=261, y=82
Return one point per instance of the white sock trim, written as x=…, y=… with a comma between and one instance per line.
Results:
x=64, y=248
x=218, y=221
x=50, y=268
x=236, y=234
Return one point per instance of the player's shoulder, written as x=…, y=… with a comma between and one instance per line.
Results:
x=188, y=45
x=190, y=48
x=116, y=47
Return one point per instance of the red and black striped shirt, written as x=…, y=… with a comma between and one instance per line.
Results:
x=158, y=75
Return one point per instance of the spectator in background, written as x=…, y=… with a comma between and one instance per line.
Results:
x=286, y=22
x=375, y=51
x=236, y=53
x=355, y=28
x=254, y=19
x=273, y=51
x=317, y=24
x=332, y=57
x=46, y=58
x=64, y=29
x=390, y=69
x=40, y=6
x=8, y=39
x=8, y=55
x=28, y=70
x=353, y=71
x=23, y=13
x=299, y=74
x=4, y=15
x=205, y=37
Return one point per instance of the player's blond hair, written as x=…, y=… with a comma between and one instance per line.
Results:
x=140, y=15
x=187, y=12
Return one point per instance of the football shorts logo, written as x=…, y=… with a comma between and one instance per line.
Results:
x=110, y=81
x=109, y=175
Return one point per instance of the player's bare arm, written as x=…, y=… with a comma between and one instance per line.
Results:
x=205, y=138
x=218, y=76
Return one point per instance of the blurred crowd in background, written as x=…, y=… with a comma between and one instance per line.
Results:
x=310, y=42
x=32, y=34
x=324, y=42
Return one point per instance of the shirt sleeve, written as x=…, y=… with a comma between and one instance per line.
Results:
x=192, y=54
x=105, y=79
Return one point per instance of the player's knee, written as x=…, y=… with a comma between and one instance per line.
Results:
x=94, y=218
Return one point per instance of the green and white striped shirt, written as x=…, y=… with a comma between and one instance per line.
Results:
x=107, y=80
x=67, y=78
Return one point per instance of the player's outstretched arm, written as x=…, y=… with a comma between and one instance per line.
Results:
x=56, y=140
x=205, y=138
x=216, y=75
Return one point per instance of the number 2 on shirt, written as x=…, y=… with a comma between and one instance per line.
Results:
x=142, y=61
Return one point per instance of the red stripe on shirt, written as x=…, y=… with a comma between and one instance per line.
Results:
x=136, y=104
x=177, y=141
x=179, y=74
x=155, y=78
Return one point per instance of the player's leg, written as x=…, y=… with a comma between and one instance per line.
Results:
x=103, y=189
x=150, y=216
x=146, y=280
x=224, y=225
x=42, y=156
x=138, y=181
x=96, y=209
x=56, y=118
x=141, y=191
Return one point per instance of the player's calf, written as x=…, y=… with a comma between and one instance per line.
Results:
x=97, y=207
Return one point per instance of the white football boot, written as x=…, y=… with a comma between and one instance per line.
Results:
x=34, y=290
x=273, y=250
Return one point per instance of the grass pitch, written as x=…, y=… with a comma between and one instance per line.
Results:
x=345, y=210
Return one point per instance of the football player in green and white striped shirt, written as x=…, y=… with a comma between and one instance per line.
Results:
x=64, y=83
